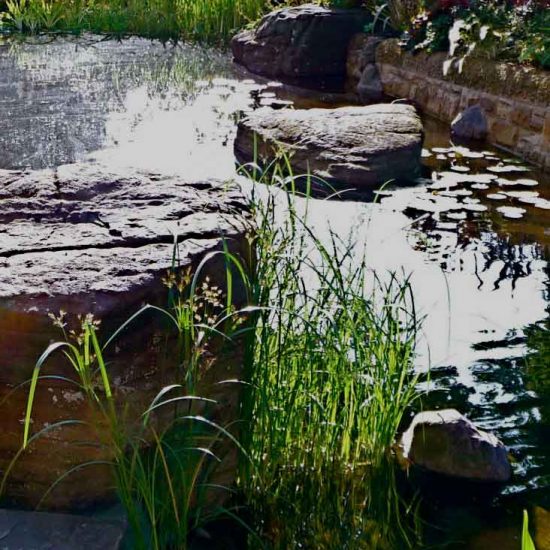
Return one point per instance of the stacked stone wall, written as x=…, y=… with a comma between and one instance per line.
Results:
x=515, y=99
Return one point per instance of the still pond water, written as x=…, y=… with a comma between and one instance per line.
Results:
x=474, y=233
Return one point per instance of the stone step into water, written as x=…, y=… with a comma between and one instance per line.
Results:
x=351, y=148
x=84, y=239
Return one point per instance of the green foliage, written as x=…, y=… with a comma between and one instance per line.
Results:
x=205, y=20
x=492, y=29
x=526, y=540
x=329, y=377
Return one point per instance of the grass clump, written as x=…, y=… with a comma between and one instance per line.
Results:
x=213, y=21
x=329, y=378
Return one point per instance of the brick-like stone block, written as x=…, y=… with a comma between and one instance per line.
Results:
x=521, y=115
x=504, y=133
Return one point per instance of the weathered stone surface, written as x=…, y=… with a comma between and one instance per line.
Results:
x=362, y=72
x=507, y=93
x=446, y=442
x=504, y=79
x=470, y=124
x=351, y=147
x=308, y=41
x=361, y=52
x=40, y=531
x=369, y=88
x=85, y=240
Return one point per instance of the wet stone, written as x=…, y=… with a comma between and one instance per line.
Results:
x=42, y=531
x=357, y=148
x=86, y=239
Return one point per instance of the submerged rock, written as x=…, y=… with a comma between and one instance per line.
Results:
x=362, y=72
x=351, y=147
x=307, y=41
x=84, y=240
x=445, y=442
x=470, y=124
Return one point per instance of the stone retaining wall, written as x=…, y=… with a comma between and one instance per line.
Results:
x=516, y=99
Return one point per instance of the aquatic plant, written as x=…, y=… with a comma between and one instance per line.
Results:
x=204, y=20
x=526, y=540
x=328, y=373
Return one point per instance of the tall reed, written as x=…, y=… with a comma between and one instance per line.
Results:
x=212, y=21
x=329, y=377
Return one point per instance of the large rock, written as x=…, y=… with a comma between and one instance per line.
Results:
x=446, y=442
x=470, y=124
x=362, y=73
x=356, y=148
x=84, y=240
x=308, y=41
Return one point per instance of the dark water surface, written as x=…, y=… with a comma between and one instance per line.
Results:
x=474, y=233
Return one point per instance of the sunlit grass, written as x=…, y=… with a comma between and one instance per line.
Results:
x=329, y=377
x=210, y=21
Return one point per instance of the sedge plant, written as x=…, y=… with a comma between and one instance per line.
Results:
x=329, y=372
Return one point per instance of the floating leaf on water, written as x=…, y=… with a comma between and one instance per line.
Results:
x=467, y=153
x=459, y=216
x=426, y=154
x=441, y=149
x=542, y=203
x=479, y=178
x=496, y=196
x=522, y=194
x=441, y=157
x=480, y=186
x=512, y=212
x=506, y=168
x=527, y=182
x=475, y=207
x=505, y=182
x=456, y=193
x=459, y=168
x=469, y=200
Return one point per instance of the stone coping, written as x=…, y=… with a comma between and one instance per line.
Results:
x=500, y=78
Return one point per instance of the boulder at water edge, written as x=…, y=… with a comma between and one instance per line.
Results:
x=470, y=124
x=83, y=239
x=445, y=442
x=307, y=41
x=357, y=148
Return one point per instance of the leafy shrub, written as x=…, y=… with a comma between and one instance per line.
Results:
x=517, y=30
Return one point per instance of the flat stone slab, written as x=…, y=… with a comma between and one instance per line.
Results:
x=357, y=148
x=82, y=233
x=42, y=531
x=84, y=239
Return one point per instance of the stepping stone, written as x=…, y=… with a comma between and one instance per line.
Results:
x=42, y=531
x=358, y=148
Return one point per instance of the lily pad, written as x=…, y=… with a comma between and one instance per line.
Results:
x=496, y=196
x=460, y=168
x=507, y=168
x=512, y=212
